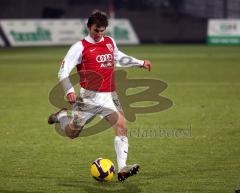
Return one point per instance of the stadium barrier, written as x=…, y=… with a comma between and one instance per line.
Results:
x=223, y=32
x=2, y=43
x=52, y=32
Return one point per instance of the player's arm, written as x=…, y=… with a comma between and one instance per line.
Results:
x=73, y=57
x=124, y=60
x=129, y=61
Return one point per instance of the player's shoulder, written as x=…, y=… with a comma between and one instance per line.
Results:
x=111, y=39
x=76, y=46
x=108, y=38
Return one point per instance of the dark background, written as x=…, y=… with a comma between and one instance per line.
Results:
x=155, y=21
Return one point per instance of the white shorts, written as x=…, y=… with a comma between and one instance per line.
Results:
x=92, y=103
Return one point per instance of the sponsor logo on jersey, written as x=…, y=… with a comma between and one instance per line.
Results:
x=106, y=65
x=110, y=48
x=104, y=58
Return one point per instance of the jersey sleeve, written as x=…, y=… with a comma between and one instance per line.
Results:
x=124, y=60
x=71, y=60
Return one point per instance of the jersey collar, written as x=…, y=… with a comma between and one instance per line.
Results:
x=91, y=40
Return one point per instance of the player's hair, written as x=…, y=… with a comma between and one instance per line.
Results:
x=99, y=18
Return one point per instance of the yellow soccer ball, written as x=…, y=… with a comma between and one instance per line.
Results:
x=102, y=170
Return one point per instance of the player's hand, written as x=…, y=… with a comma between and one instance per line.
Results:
x=147, y=65
x=71, y=97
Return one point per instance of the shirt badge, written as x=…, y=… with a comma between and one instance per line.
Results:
x=110, y=48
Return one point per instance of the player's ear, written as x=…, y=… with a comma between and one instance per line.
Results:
x=88, y=27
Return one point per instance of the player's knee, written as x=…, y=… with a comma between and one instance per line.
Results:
x=72, y=131
x=74, y=134
x=77, y=123
x=122, y=131
x=121, y=124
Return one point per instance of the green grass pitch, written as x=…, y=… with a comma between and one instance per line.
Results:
x=204, y=84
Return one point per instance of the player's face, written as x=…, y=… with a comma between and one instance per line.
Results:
x=97, y=32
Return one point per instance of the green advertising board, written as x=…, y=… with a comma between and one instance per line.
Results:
x=223, y=32
x=43, y=32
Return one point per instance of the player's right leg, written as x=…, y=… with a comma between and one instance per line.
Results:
x=54, y=118
x=68, y=125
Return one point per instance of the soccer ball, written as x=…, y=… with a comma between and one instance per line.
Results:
x=102, y=170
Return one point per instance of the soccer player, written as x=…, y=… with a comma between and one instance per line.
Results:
x=95, y=58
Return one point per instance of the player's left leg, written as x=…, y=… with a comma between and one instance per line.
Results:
x=118, y=122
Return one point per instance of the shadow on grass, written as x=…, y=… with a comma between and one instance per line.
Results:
x=104, y=187
x=16, y=191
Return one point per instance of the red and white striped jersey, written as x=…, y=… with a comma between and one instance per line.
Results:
x=95, y=63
